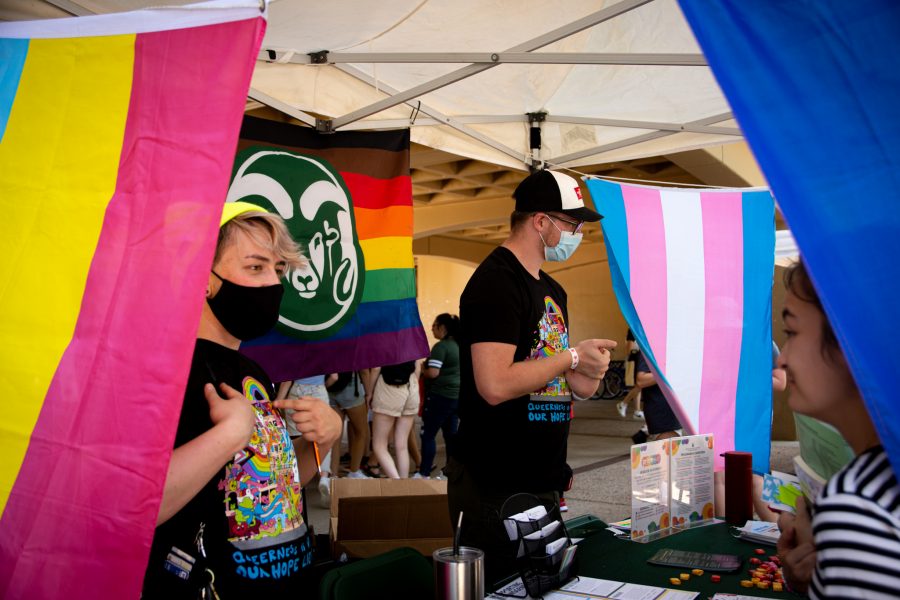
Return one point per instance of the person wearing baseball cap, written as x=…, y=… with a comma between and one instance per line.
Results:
x=230, y=521
x=519, y=370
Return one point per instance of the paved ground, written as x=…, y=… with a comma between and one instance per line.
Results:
x=599, y=444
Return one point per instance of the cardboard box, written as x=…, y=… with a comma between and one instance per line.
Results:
x=372, y=516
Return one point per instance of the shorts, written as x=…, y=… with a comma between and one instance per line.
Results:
x=345, y=399
x=396, y=400
x=298, y=390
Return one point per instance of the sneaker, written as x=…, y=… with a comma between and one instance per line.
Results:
x=325, y=491
x=638, y=414
x=622, y=408
x=418, y=475
x=357, y=475
x=563, y=507
x=639, y=437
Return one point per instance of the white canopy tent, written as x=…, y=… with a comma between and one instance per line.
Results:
x=603, y=81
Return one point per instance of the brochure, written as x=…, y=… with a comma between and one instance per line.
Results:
x=671, y=486
x=780, y=491
x=822, y=448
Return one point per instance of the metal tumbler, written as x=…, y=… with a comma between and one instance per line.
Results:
x=458, y=576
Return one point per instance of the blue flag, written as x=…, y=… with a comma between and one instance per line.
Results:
x=816, y=89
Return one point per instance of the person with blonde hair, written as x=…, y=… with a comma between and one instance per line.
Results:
x=231, y=517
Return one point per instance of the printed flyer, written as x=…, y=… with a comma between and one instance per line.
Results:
x=691, y=475
x=671, y=486
x=649, y=490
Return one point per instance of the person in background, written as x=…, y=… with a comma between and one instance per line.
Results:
x=518, y=370
x=395, y=403
x=634, y=394
x=442, y=390
x=847, y=544
x=348, y=397
x=661, y=421
x=232, y=496
x=314, y=386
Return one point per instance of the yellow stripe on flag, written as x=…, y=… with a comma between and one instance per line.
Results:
x=59, y=160
x=388, y=253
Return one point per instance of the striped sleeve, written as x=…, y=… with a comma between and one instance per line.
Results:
x=857, y=532
x=436, y=358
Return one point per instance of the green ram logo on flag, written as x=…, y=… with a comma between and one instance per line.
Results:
x=314, y=202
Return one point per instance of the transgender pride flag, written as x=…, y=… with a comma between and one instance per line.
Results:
x=117, y=135
x=692, y=271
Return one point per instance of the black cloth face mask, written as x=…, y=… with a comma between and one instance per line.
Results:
x=246, y=312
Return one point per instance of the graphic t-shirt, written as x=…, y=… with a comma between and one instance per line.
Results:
x=251, y=511
x=445, y=357
x=518, y=445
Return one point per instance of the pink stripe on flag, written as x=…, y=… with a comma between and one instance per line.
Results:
x=647, y=264
x=82, y=513
x=723, y=245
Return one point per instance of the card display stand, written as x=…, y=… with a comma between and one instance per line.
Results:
x=541, y=571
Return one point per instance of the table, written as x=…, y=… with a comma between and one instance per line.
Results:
x=604, y=556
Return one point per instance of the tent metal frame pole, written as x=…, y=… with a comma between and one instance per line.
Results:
x=495, y=119
x=441, y=118
x=561, y=161
x=482, y=58
x=565, y=31
x=263, y=98
x=73, y=8
x=686, y=127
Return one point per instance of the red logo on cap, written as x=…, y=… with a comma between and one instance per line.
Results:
x=578, y=193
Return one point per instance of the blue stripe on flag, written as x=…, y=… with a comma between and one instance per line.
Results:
x=753, y=405
x=608, y=199
x=370, y=317
x=12, y=61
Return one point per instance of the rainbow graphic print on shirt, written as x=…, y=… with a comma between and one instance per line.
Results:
x=262, y=485
x=552, y=338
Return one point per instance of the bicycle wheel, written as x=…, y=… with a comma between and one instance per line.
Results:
x=612, y=385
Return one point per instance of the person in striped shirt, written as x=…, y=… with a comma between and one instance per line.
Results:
x=848, y=544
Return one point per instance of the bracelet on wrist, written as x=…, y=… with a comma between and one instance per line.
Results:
x=574, y=354
x=576, y=396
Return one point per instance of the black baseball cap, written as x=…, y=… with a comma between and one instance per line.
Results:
x=545, y=191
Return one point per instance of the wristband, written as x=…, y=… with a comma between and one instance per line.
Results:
x=574, y=354
x=576, y=396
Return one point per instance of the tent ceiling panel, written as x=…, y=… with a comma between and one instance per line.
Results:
x=371, y=94
x=622, y=82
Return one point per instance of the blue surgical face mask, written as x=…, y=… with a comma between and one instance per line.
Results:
x=568, y=243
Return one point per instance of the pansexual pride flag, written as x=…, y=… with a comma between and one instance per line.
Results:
x=692, y=271
x=347, y=198
x=116, y=141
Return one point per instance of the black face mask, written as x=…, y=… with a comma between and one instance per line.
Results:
x=246, y=312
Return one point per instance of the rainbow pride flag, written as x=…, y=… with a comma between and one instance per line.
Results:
x=347, y=198
x=117, y=135
x=692, y=272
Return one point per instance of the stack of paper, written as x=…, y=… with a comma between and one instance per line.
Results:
x=762, y=532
